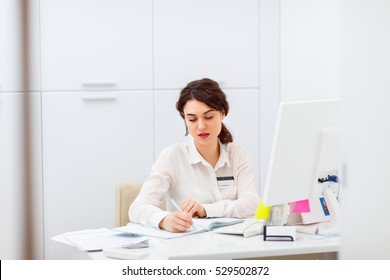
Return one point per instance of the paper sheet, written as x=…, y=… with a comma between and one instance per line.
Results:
x=98, y=239
x=262, y=211
x=301, y=206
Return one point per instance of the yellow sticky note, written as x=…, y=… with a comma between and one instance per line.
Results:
x=262, y=211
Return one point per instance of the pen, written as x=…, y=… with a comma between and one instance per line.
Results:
x=179, y=209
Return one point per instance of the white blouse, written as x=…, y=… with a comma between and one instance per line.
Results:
x=180, y=172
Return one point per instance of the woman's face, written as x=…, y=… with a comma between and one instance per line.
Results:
x=204, y=123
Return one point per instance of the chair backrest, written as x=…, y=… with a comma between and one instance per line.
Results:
x=125, y=194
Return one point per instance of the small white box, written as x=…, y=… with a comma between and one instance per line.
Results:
x=279, y=233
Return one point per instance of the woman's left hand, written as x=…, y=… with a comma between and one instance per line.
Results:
x=193, y=207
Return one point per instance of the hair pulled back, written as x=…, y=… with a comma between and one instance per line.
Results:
x=207, y=91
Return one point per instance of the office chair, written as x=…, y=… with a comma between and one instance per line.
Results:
x=125, y=193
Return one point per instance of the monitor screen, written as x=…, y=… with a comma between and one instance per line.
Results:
x=306, y=147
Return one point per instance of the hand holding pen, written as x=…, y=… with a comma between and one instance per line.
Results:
x=178, y=221
x=181, y=210
x=193, y=207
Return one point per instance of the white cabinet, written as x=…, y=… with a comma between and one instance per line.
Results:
x=96, y=45
x=91, y=142
x=10, y=46
x=242, y=121
x=169, y=126
x=217, y=39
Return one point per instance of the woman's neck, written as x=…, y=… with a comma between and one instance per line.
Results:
x=210, y=152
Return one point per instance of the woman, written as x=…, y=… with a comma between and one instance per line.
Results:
x=209, y=176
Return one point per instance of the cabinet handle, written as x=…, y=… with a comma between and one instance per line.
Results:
x=99, y=98
x=99, y=84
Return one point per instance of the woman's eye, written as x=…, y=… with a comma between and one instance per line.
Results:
x=209, y=118
x=192, y=120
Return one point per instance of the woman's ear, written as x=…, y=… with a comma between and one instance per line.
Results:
x=222, y=115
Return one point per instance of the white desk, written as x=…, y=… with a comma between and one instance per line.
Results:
x=211, y=245
x=220, y=246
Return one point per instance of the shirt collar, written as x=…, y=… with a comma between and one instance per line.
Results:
x=195, y=157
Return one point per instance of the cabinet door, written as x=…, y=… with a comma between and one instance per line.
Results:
x=169, y=125
x=242, y=121
x=89, y=44
x=195, y=39
x=10, y=46
x=92, y=142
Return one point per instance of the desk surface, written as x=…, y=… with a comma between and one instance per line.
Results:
x=210, y=245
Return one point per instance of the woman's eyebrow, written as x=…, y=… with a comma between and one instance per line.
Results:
x=194, y=115
x=211, y=110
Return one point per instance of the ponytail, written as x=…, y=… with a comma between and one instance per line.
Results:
x=225, y=136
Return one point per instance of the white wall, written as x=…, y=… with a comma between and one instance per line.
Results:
x=365, y=72
x=299, y=59
x=309, y=49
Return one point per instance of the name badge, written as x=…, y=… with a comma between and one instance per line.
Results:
x=225, y=181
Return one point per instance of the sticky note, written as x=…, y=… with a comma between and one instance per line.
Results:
x=262, y=211
x=301, y=206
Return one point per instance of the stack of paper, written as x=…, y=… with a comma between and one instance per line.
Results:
x=98, y=239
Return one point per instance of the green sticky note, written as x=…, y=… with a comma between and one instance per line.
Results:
x=262, y=211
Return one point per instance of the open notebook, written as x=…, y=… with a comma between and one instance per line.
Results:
x=200, y=225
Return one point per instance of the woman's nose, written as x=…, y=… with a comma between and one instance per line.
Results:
x=201, y=124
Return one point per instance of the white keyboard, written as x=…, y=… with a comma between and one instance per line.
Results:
x=247, y=228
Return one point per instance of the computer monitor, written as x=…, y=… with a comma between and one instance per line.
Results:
x=306, y=147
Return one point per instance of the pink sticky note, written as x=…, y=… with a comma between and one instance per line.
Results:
x=301, y=206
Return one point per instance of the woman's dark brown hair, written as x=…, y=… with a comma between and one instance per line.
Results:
x=207, y=91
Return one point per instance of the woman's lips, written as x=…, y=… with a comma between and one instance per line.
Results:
x=203, y=135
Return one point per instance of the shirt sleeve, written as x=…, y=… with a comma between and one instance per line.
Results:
x=145, y=209
x=247, y=198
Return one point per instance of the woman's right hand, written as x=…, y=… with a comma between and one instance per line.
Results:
x=176, y=222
